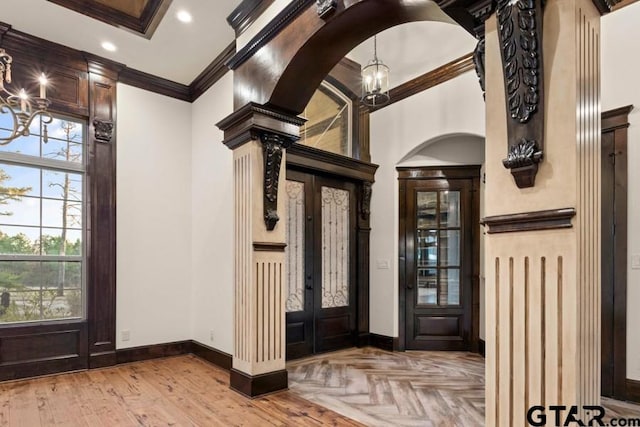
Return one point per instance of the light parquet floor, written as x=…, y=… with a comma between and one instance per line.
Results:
x=178, y=391
x=379, y=388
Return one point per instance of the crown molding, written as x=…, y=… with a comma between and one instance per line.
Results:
x=214, y=72
x=246, y=13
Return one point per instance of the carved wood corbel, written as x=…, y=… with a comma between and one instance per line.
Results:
x=478, y=61
x=520, y=32
x=365, y=200
x=326, y=8
x=273, y=146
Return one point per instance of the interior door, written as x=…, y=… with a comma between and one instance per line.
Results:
x=438, y=264
x=321, y=253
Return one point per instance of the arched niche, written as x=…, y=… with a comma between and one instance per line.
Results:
x=447, y=150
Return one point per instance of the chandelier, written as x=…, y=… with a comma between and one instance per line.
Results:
x=22, y=108
x=375, y=80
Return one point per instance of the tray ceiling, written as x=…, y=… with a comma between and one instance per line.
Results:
x=139, y=16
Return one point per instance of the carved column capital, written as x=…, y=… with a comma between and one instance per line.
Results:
x=273, y=146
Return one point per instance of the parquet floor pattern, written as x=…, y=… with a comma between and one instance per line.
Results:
x=380, y=388
x=177, y=391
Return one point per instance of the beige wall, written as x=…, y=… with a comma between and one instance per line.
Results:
x=153, y=218
x=620, y=87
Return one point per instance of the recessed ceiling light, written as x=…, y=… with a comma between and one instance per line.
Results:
x=109, y=46
x=184, y=16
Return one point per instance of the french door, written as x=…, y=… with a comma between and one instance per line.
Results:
x=439, y=243
x=321, y=273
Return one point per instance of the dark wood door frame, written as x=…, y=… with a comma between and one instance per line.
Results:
x=614, y=318
x=440, y=173
x=324, y=164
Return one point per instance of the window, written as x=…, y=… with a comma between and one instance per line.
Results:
x=42, y=222
x=329, y=123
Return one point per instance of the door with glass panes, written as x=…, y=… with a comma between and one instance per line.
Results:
x=321, y=286
x=438, y=266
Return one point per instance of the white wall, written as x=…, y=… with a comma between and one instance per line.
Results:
x=620, y=87
x=153, y=218
x=212, y=220
x=454, y=107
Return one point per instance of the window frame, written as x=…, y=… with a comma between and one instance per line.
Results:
x=82, y=168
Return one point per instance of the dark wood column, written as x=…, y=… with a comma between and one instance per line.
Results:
x=102, y=213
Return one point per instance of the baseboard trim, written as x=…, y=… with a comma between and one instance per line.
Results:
x=384, y=342
x=633, y=390
x=177, y=348
x=258, y=385
x=482, y=348
x=219, y=358
x=156, y=351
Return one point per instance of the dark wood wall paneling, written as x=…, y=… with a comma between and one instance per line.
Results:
x=83, y=86
x=615, y=124
x=144, y=25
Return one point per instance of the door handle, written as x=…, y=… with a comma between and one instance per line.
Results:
x=309, y=284
x=409, y=285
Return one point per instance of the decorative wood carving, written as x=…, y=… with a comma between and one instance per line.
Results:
x=365, y=199
x=103, y=130
x=478, y=61
x=520, y=30
x=326, y=8
x=273, y=146
x=530, y=221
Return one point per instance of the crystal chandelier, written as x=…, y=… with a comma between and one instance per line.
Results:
x=375, y=80
x=21, y=108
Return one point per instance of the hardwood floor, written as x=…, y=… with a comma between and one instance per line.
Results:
x=374, y=387
x=179, y=391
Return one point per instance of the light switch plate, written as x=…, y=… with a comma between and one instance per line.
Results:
x=635, y=261
x=383, y=264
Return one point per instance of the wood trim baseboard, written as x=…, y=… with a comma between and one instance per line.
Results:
x=530, y=221
x=482, y=348
x=156, y=351
x=258, y=385
x=178, y=348
x=219, y=358
x=384, y=342
x=633, y=390
x=428, y=80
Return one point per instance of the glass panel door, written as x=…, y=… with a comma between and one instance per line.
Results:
x=438, y=248
x=295, y=239
x=335, y=247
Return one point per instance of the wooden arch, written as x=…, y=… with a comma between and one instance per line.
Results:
x=284, y=72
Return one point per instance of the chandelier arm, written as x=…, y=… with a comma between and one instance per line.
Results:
x=4, y=109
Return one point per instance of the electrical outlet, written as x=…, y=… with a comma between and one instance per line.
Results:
x=126, y=335
x=635, y=261
x=383, y=264
x=211, y=336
